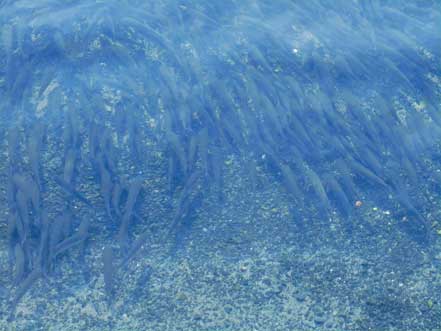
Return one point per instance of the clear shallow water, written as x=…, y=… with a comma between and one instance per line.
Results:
x=220, y=166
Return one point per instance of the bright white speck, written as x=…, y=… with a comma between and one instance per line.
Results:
x=295, y=50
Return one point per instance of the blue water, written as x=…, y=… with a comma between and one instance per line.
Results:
x=220, y=165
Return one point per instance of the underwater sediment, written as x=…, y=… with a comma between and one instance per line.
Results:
x=104, y=104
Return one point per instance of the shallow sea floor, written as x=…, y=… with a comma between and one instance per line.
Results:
x=213, y=110
x=247, y=263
